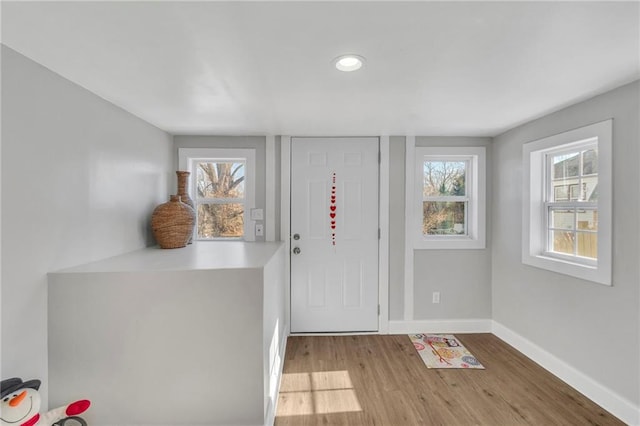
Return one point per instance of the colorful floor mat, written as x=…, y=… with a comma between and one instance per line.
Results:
x=443, y=351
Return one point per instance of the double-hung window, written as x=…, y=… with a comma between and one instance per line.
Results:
x=571, y=204
x=450, y=197
x=222, y=188
x=567, y=203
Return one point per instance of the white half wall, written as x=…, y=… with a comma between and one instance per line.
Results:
x=80, y=178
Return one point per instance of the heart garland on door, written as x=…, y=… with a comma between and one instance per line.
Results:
x=332, y=209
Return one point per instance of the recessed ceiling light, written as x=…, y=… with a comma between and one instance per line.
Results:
x=348, y=63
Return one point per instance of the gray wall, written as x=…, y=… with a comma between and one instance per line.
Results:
x=594, y=328
x=396, y=227
x=253, y=142
x=80, y=178
x=463, y=277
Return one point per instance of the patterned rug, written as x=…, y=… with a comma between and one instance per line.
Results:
x=443, y=351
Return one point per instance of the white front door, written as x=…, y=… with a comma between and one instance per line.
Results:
x=334, y=234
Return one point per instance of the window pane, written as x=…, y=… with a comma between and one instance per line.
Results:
x=590, y=162
x=444, y=178
x=590, y=188
x=561, y=191
x=563, y=242
x=566, y=165
x=588, y=244
x=443, y=218
x=588, y=220
x=220, y=180
x=220, y=220
x=562, y=219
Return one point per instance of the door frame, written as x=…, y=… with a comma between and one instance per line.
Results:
x=383, y=241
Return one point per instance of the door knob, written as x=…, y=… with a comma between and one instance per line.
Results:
x=296, y=250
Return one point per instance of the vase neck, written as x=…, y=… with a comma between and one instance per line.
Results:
x=182, y=181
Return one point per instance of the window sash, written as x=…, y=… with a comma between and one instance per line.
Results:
x=195, y=162
x=467, y=160
x=220, y=200
x=189, y=159
x=472, y=236
x=220, y=238
x=464, y=234
x=549, y=207
x=550, y=204
x=446, y=198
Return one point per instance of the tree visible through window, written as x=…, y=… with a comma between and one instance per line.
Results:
x=449, y=193
x=444, y=202
x=220, y=198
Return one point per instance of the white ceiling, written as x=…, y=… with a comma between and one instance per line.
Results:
x=433, y=68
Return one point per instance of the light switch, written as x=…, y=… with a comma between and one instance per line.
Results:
x=256, y=214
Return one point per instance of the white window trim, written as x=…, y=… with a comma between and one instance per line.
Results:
x=187, y=157
x=476, y=191
x=534, y=213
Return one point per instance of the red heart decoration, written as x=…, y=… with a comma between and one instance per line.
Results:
x=333, y=215
x=333, y=199
x=333, y=208
x=333, y=227
x=333, y=222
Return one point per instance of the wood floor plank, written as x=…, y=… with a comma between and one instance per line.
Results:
x=381, y=380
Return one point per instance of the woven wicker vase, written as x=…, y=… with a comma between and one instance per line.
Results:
x=172, y=223
x=183, y=178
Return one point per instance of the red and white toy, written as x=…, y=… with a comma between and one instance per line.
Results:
x=20, y=405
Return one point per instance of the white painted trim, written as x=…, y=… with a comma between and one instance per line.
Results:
x=285, y=219
x=533, y=217
x=270, y=416
x=476, y=191
x=383, y=243
x=617, y=405
x=441, y=326
x=270, y=189
x=334, y=333
x=410, y=148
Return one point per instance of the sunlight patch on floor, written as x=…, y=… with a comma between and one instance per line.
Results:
x=319, y=392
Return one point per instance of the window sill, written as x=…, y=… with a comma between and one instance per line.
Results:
x=593, y=273
x=449, y=243
x=570, y=260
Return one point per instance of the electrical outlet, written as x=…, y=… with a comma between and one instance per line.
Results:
x=259, y=230
x=436, y=297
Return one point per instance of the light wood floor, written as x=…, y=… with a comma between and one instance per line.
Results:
x=381, y=380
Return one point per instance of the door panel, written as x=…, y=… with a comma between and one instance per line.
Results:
x=334, y=210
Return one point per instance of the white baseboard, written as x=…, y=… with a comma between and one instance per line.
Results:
x=620, y=407
x=441, y=326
